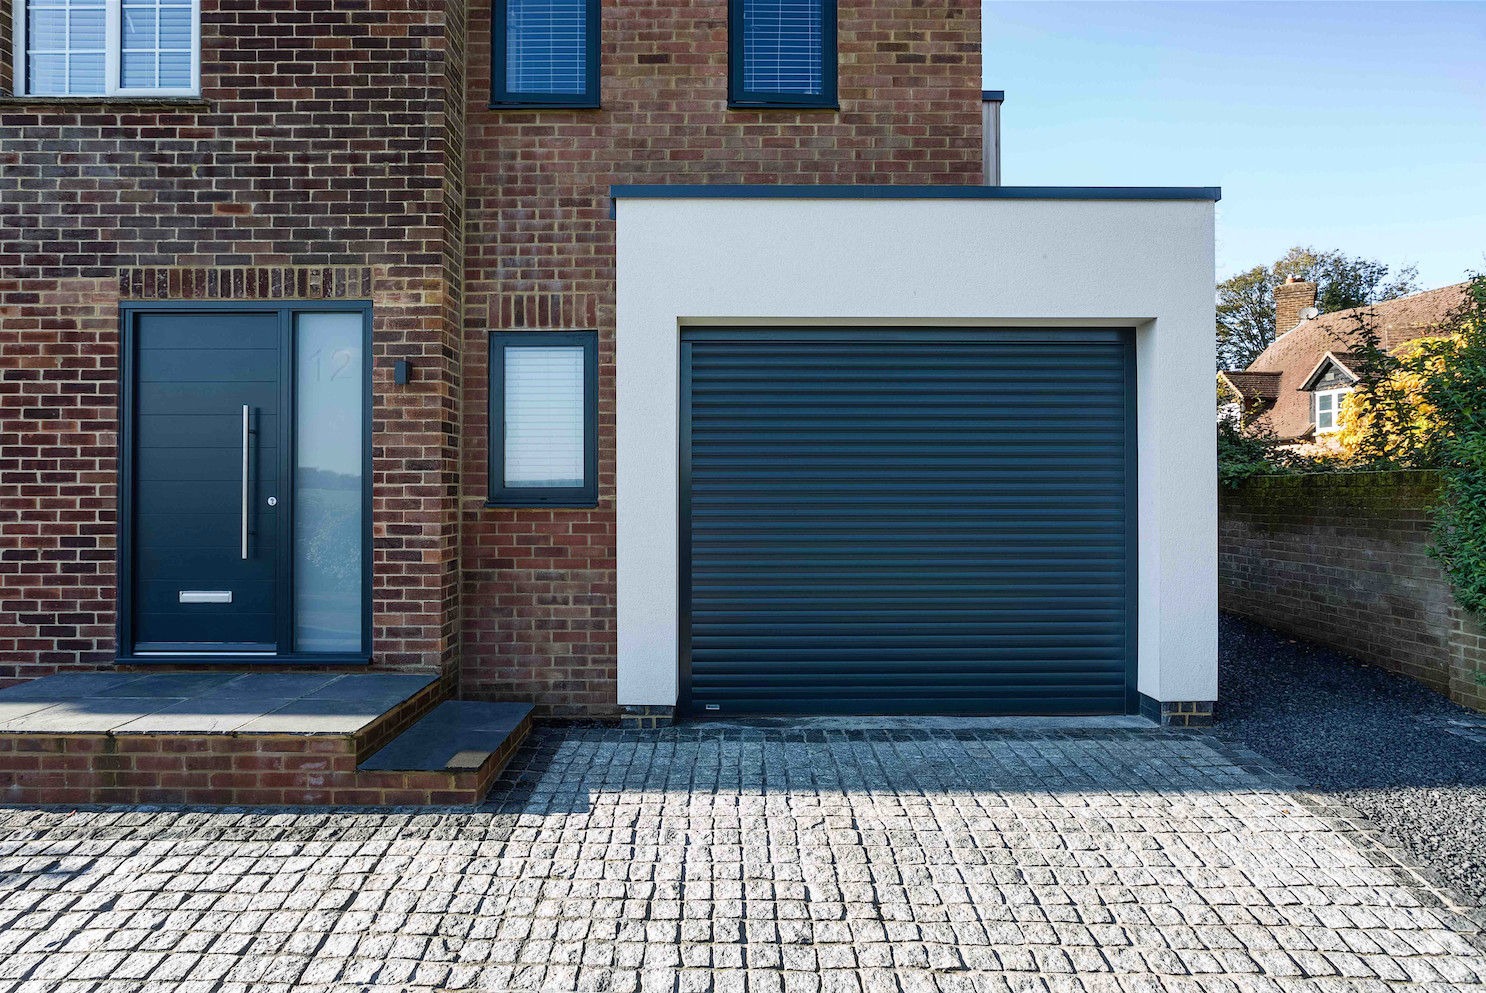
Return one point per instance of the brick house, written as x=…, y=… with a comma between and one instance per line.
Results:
x=608, y=357
x=1295, y=387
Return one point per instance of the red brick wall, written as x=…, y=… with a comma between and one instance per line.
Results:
x=1343, y=560
x=326, y=140
x=538, y=598
x=346, y=151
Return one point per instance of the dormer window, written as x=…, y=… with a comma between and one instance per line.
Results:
x=1328, y=406
x=107, y=48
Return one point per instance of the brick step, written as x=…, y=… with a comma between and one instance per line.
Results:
x=208, y=737
x=451, y=755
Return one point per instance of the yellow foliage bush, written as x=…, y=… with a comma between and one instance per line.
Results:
x=1354, y=417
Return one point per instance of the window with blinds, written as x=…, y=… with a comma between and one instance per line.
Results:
x=156, y=44
x=543, y=417
x=107, y=47
x=782, y=52
x=545, y=52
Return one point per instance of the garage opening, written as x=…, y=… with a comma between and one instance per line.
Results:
x=907, y=521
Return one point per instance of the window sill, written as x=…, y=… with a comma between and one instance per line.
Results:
x=518, y=105
x=190, y=658
x=832, y=107
x=122, y=102
x=540, y=505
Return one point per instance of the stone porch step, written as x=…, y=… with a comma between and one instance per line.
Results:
x=454, y=752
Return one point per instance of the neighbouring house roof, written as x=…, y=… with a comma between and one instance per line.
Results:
x=1252, y=386
x=1296, y=356
x=1345, y=361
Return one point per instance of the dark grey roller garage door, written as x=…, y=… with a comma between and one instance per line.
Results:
x=916, y=521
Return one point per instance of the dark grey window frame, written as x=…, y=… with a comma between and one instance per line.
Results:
x=497, y=493
x=286, y=309
x=743, y=99
x=504, y=99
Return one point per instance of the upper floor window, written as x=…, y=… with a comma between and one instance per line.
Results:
x=1328, y=410
x=545, y=53
x=782, y=53
x=101, y=48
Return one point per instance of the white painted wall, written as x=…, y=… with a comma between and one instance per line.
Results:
x=1147, y=264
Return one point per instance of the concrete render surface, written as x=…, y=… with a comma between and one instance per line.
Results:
x=748, y=859
x=204, y=702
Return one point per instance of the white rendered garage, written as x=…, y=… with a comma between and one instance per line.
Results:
x=774, y=554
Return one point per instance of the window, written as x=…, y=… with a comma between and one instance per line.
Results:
x=1328, y=409
x=106, y=47
x=543, y=418
x=545, y=53
x=782, y=53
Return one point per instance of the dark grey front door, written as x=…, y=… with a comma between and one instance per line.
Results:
x=209, y=410
x=245, y=493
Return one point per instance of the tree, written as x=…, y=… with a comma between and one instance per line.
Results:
x=1425, y=406
x=1246, y=300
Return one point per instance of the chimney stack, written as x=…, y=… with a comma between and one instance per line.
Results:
x=1290, y=299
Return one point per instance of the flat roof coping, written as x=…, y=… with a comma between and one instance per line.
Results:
x=770, y=191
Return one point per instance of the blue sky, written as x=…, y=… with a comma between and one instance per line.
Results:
x=1359, y=126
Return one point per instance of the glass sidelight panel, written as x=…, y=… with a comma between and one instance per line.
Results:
x=328, y=529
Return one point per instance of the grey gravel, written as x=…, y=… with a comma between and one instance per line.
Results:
x=1403, y=755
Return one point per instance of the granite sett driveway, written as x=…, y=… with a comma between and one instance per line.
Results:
x=970, y=858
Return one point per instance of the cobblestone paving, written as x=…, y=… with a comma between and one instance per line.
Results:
x=750, y=860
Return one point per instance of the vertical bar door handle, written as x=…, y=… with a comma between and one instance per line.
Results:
x=245, y=484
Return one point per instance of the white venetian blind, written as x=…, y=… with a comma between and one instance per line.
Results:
x=156, y=49
x=783, y=50
x=543, y=398
x=546, y=46
x=64, y=47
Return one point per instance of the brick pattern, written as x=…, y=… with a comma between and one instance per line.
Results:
x=1289, y=300
x=246, y=283
x=58, y=451
x=1344, y=560
x=647, y=718
x=323, y=161
x=239, y=768
x=1177, y=713
x=539, y=584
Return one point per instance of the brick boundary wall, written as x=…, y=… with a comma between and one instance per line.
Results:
x=1343, y=559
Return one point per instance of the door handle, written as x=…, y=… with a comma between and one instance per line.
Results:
x=245, y=485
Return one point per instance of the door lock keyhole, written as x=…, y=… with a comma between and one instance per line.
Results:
x=273, y=501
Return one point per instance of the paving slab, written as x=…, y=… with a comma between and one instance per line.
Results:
x=308, y=716
x=280, y=684
x=87, y=715
x=380, y=685
x=453, y=732
x=204, y=702
x=202, y=715
x=67, y=685
x=11, y=709
x=169, y=684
